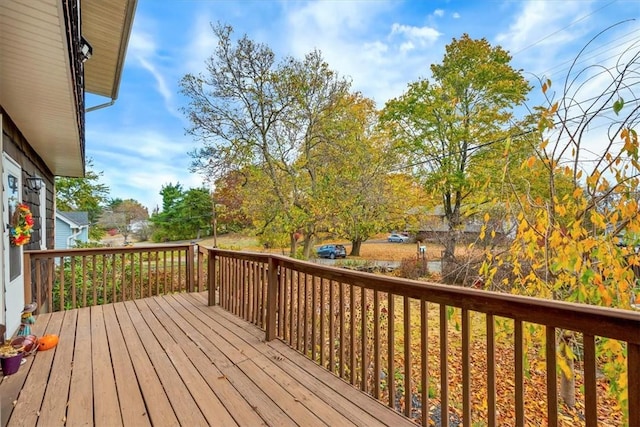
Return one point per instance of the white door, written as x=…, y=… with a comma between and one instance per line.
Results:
x=13, y=295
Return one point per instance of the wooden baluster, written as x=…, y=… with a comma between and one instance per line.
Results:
x=444, y=366
x=466, y=367
x=73, y=282
x=391, y=374
x=363, y=326
x=491, y=371
x=323, y=313
x=332, y=330
x=424, y=360
x=407, y=356
x=376, y=344
x=519, y=372
x=342, y=317
x=590, y=390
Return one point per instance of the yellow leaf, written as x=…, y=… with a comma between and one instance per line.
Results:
x=564, y=367
x=577, y=193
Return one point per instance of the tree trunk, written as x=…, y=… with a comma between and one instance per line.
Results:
x=567, y=384
x=293, y=241
x=355, y=247
x=308, y=245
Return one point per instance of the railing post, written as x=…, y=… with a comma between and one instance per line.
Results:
x=28, y=293
x=190, y=269
x=272, y=299
x=211, y=277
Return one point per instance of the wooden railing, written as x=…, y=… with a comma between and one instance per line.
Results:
x=395, y=339
x=71, y=278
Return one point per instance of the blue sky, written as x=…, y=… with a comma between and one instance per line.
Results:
x=139, y=144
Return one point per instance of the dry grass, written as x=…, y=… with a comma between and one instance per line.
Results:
x=377, y=249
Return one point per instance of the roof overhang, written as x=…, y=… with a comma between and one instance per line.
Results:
x=37, y=81
x=106, y=25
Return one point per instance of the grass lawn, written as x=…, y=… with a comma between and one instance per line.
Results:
x=376, y=249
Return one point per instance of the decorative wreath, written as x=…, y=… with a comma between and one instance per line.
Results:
x=21, y=225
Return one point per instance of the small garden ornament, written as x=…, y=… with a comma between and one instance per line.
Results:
x=27, y=319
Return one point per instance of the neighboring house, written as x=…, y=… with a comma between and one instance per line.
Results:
x=434, y=227
x=71, y=226
x=51, y=52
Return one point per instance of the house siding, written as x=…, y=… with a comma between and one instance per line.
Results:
x=17, y=147
x=63, y=231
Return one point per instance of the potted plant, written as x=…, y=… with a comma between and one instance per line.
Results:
x=10, y=359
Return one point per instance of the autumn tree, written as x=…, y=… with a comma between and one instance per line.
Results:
x=572, y=244
x=122, y=215
x=228, y=197
x=445, y=124
x=251, y=111
x=357, y=181
x=83, y=194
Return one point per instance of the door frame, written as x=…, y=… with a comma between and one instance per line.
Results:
x=13, y=289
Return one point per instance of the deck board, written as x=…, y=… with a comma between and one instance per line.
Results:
x=148, y=382
x=132, y=406
x=201, y=394
x=183, y=405
x=53, y=408
x=106, y=407
x=80, y=411
x=179, y=329
x=173, y=360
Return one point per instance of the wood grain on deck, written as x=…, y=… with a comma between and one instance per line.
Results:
x=173, y=360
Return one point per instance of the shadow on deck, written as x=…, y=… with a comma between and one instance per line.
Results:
x=173, y=360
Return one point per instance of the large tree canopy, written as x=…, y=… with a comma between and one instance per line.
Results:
x=444, y=125
x=251, y=112
x=185, y=213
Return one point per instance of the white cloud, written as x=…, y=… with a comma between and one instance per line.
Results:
x=202, y=42
x=407, y=46
x=455, y=15
x=143, y=50
x=136, y=164
x=422, y=36
x=438, y=12
x=355, y=39
x=540, y=31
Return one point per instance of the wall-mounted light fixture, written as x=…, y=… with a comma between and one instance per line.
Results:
x=33, y=184
x=85, y=49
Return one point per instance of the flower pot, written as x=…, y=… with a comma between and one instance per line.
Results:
x=11, y=364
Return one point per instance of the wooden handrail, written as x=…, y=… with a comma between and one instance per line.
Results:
x=315, y=308
x=90, y=276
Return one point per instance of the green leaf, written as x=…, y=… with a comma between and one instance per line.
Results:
x=617, y=106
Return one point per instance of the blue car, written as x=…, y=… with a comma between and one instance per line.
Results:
x=332, y=251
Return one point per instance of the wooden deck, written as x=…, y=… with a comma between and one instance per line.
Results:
x=175, y=361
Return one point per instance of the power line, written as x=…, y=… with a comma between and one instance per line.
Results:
x=564, y=28
x=490, y=143
x=617, y=42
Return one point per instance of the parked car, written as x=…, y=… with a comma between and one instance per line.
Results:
x=399, y=238
x=332, y=251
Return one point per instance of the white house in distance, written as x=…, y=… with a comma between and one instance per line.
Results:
x=71, y=226
x=51, y=53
